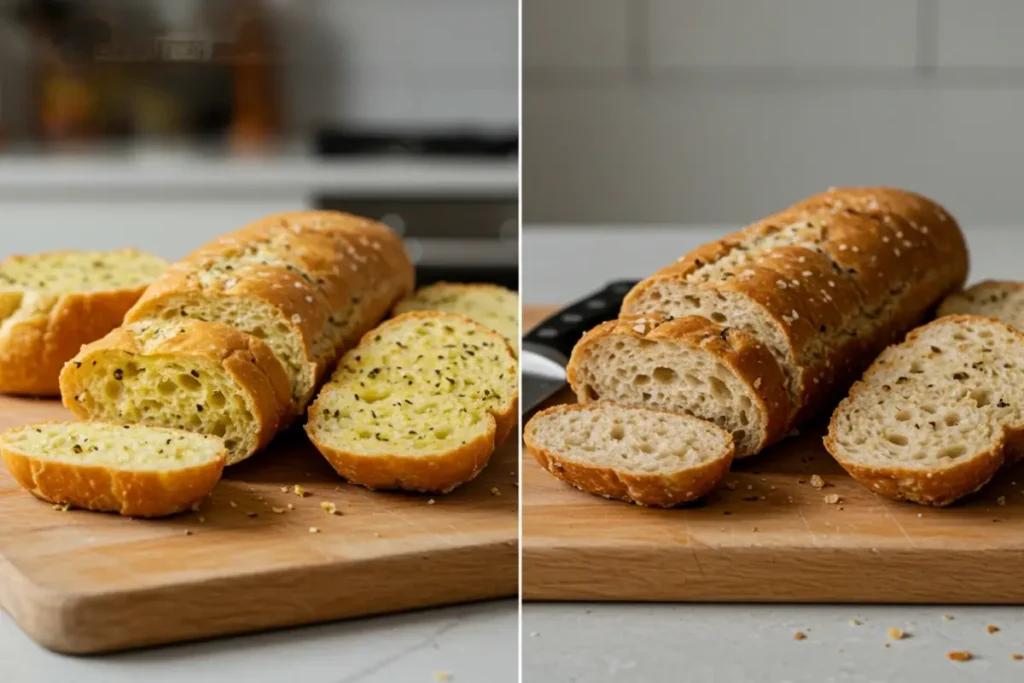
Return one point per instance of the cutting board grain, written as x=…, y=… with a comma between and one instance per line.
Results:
x=83, y=582
x=768, y=536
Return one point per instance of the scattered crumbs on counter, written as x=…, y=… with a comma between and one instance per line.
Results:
x=799, y=635
x=202, y=520
x=1001, y=500
x=854, y=622
x=992, y=629
x=376, y=534
x=299, y=491
x=290, y=506
x=330, y=508
x=62, y=507
x=754, y=529
x=431, y=502
x=750, y=487
x=1016, y=657
x=284, y=489
x=960, y=656
x=188, y=532
x=818, y=482
x=833, y=499
x=277, y=510
x=947, y=617
x=897, y=633
x=232, y=503
x=314, y=530
x=495, y=491
x=920, y=516
x=887, y=646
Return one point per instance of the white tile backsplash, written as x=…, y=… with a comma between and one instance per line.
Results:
x=574, y=33
x=782, y=33
x=980, y=33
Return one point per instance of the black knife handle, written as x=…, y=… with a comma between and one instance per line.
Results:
x=562, y=330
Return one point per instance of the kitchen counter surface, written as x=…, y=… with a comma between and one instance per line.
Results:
x=698, y=643
x=471, y=643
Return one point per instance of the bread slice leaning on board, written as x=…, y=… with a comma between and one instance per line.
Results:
x=648, y=457
x=999, y=299
x=824, y=285
x=185, y=374
x=935, y=417
x=135, y=471
x=690, y=365
x=420, y=404
x=308, y=284
x=52, y=303
x=491, y=305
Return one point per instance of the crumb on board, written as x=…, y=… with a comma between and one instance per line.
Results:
x=817, y=482
x=188, y=532
x=896, y=633
x=947, y=617
x=278, y=511
x=299, y=491
x=284, y=489
x=1017, y=656
x=253, y=515
x=62, y=507
x=886, y=646
x=290, y=506
x=959, y=656
x=232, y=503
x=495, y=491
x=1001, y=500
x=202, y=520
x=833, y=499
x=314, y=530
x=854, y=622
x=330, y=508
x=991, y=628
x=799, y=635
x=431, y=502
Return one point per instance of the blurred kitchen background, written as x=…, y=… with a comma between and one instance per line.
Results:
x=676, y=120
x=162, y=123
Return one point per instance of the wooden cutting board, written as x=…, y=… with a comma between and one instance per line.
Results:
x=83, y=582
x=768, y=536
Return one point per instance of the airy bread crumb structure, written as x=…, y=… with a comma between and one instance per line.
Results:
x=490, y=305
x=132, y=470
x=935, y=417
x=420, y=404
x=638, y=455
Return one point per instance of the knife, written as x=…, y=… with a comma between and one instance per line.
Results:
x=547, y=347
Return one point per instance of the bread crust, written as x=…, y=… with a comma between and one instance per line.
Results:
x=656, y=490
x=749, y=360
x=882, y=255
x=964, y=303
x=254, y=368
x=442, y=472
x=130, y=493
x=938, y=487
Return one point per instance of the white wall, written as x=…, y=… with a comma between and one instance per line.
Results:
x=723, y=110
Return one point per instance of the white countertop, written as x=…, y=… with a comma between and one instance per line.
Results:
x=595, y=643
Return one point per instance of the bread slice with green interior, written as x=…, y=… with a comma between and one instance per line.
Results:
x=491, y=305
x=936, y=416
x=420, y=404
x=52, y=303
x=999, y=299
x=197, y=376
x=638, y=455
x=687, y=365
x=133, y=470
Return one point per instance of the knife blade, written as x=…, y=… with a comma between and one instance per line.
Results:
x=547, y=347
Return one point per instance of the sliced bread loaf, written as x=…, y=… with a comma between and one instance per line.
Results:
x=999, y=299
x=136, y=471
x=648, y=457
x=191, y=375
x=52, y=303
x=687, y=365
x=490, y=305
x=419, y=404
x=308, y=284
x=934, y=417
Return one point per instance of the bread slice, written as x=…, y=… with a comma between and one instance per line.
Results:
x=490, y=305
x=687, y=365
x=825, y=284
x=934, y=417
x=136, y=471
x=999, y=299
x=308, y=284
x=648, y=457
x=52, y=303
x=420, y=404
x=197, y=376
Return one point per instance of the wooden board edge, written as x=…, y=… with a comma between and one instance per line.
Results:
x=108, y=622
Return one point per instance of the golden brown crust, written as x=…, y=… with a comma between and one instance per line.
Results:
x=33, y=349
x=657, y=490
x=255, y=369
x=748, y=359
x=130, y=493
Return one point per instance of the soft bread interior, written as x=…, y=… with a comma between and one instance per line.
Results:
x=417, y=387
x=630, y=440
x=113, y=446
x=937, y=400
x=86, y=271
x=1001, y=300
x=492, y=306
x=656, y=374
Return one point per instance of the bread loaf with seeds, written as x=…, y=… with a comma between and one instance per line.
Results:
x=490, y=305
x=824, y=285
x=999, y=299
x=308, y=284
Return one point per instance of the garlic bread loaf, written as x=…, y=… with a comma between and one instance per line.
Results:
x=824, y=285
x=308, y=284
x=490, y=305
x=999, y=299
x=420, y=404
x=184, y=374
x=936, y=416
x=136, y=471
x=648, y=457
x=688, y=365
x=52, y=303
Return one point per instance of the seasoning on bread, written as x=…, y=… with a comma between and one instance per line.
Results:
x=491, y=305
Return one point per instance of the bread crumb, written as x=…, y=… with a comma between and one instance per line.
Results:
x=731, y=485
x=299, y=491
x=854, y=622
x=495, y=491
x=195, y=506
x=330, y=508
x=959, y=656
x=290, y=506
x=253, y=515
x=1017, y=657
x=897, y=634
x=753, y=528
x=799, y=635
x=886, y=646
x=232, y=503
x=947, y=617
x=284, y=489
x=1001, y=500
x=62, y=507
x=277, y=510
x=832, y=499
x=376, y=534
x=202, y=520
x=992, y=629
x=314, y=530
x=817, y=482
x=442, y=676
x=431, y=502
x=188, y=532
